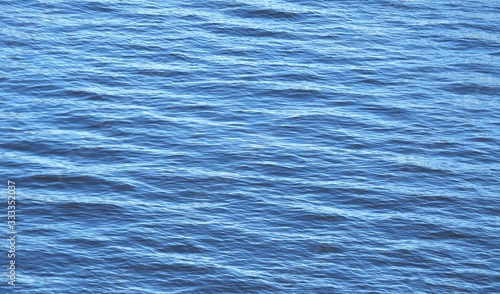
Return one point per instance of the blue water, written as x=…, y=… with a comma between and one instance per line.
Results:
x=252, y=146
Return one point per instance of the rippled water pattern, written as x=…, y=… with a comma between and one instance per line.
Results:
x=252, y=146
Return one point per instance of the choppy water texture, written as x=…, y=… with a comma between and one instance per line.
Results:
x=252, y=146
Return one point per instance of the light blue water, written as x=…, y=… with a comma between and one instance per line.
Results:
x=252, y=147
